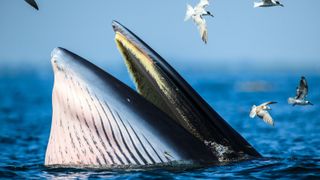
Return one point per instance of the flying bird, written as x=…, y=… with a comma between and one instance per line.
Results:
x=262, y=112
x=32, y=3
x=301, y=94
x=196, y=14
x=267, y=3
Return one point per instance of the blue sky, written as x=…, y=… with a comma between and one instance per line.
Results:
x=238, y=32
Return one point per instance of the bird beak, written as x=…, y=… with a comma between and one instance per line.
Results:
x=209, y=14
x=310, y=103
x=281, y=5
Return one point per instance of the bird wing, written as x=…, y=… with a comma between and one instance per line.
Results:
x=253, y=111
x=202, y=26
x=267, y=103
x=189, y=13
x=32, y=3
x=266, y=117
x=267, y=1
x=202, y=4
x=302, y=90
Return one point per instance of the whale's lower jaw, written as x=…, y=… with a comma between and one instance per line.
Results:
x=98, y=121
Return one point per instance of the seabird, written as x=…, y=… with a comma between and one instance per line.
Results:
x=197, y=14
x=32, y=3
x=301, y=94
x=262, y=112
x=267, y=3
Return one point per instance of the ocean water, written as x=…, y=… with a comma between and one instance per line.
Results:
x=291, y=149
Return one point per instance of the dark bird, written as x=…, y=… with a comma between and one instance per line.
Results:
x=301, y=94
x=32, y=3
x=267, y=3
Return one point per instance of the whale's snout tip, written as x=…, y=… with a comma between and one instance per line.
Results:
x=56, y=51
x=56, y=55
x=117, y=27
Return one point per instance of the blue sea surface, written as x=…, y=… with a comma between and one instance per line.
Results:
x=291, y=149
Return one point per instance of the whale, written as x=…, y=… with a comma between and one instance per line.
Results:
x=100, y=122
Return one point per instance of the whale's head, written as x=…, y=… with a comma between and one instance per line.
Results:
x=101, y=122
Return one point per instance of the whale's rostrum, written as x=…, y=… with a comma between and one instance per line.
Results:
x=158, y=82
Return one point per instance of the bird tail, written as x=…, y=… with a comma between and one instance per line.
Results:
x=291, y=101
x=253, y=111
x=189, y=12
x=256, y=4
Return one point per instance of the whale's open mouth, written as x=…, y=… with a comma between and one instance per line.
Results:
x=148, y=77
x=98, y=121
x=159, y=83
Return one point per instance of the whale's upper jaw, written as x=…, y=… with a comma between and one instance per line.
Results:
x=158, y=82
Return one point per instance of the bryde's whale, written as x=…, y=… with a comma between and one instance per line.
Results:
x=98, y=121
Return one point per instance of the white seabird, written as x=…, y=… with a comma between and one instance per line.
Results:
x=267, y=3
x=197, y=14
x=262, y=112
x=301, y=94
